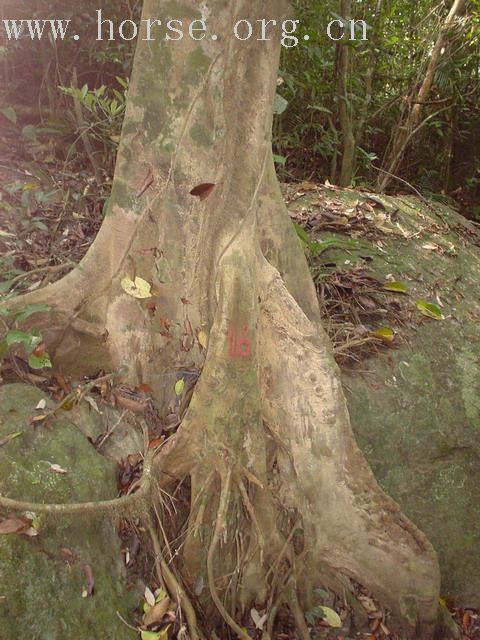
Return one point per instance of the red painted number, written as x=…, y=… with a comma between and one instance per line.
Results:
x=239, y=345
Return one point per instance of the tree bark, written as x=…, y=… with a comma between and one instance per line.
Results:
x=266, y=439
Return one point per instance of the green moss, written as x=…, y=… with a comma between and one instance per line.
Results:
x=201, y=135
x=122, y=196
x=196, y=65
x=181, y=11
x=41, y=586
x=469, y=365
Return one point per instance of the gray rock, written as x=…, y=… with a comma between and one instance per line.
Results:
x=42, y=578
x=416, y=413
x=416, y=410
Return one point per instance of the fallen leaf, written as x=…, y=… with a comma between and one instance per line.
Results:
x=93, y=404
x=156, y=442
x=203, y=190
x=11, y=436
x=57, y=468
x=62, y=383
x=202, y=339
x=156, y=613
x=14, y=525
x=258, y=619
x=385, y=334
x=331, y=617
x=90, y=587
x=39, y=351
x=149, y=597
x=138, y=288
x=136, y=406
x=38, y=418
x=198, y=584
x=397, y=287
x=159, y=594
x=39, y=362
x=429, y=310
x=430, y=246
x=31, y=532
x=179, y=387
x=150, y=635
x=367, y=603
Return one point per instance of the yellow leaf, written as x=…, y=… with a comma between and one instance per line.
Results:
x=202, y=339
x=150, y=635
x=385, y=334
x=179, y=387
x=331, y=617
x=397, y=287
x=138, y=288
x=164, y=634
x=430, y=310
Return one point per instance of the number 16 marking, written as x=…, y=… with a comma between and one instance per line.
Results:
x=239, y=346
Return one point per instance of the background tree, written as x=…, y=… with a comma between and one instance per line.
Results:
x=413, y=104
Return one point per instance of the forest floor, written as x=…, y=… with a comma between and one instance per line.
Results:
x=50, y=212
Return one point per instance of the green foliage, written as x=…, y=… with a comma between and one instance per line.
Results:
x=30, y=341
x=103, y=110
x=443, y=154
x=315, y=248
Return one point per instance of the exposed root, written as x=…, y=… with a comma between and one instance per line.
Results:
x=171, y=585
x=251, y=512
x=296, y=609
x=135, y=503
x=219, y=527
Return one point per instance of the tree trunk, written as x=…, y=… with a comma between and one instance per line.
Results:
x=345, y=109
x=266, y=438
x=410, y=118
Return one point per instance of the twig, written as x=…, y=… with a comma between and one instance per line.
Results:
x=422, y=198
x=51, y=268
x=74, y=395
x=110, y=431
x=125, y=622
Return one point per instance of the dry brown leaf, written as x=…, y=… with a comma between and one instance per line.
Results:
x=156, y=613
x=90, y=587
x=14, y=525
x=203, y=190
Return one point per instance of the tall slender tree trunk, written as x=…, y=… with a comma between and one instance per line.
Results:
x=345, y=109
x=415, y=101
x=266, y=439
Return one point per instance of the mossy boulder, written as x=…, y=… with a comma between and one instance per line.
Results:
x=415, y=408
x=42, y=578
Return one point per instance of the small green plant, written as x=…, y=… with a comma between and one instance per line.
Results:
x=31, y=341
x=103, y=111
x=315, y=248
